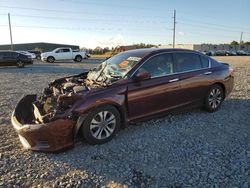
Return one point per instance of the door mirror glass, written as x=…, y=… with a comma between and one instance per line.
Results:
x=142, y=76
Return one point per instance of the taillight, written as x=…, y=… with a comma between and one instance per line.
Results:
x=231, y=71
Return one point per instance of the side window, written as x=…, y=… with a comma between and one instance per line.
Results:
x=7, y=54
x=59, y=51
x=160, y=65
x=187, y=62
x=13, y=54
x=214, y=63
x=66, y=50
x=204, y=62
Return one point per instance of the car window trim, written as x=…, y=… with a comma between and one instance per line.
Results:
x=173, y=62
x=156, y=56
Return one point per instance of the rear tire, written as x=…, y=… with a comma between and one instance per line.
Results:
x=50, y=59
x=214, y=98
x=20, y=64
x=101, y=125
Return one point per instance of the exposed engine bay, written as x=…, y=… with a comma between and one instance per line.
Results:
x=60, y=95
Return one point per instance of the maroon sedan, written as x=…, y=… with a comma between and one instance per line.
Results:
x=131, y=86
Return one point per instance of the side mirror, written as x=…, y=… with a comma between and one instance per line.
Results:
x=142, y=76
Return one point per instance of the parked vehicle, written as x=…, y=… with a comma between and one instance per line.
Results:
x=241, y=52
x=128, y=87
x=221, y=53
x=37, y=53
x=63, y=54
x=31, y=55
x=10, y=58
x=231, y=53
x=210, y=53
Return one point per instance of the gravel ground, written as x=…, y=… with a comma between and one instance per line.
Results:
x=189, y=149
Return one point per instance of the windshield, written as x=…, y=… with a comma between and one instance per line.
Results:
x=114, y=68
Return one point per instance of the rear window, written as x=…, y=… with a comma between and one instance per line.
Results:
x=204, y=62
x=187, y=62
x=214, y=63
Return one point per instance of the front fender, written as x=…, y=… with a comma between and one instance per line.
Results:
x=115, y=97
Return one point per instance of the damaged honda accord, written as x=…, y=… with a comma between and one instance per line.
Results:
x=131, y=86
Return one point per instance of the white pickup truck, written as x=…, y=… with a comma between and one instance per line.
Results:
x=63, y=54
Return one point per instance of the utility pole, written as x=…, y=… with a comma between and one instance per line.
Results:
x=10, y=32
x=174, y=28
x=240, y=40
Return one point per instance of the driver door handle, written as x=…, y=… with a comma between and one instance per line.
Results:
x=174, y=80
x=208, y=73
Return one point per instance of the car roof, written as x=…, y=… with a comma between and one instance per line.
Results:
x=7, y=51
x=145, y=51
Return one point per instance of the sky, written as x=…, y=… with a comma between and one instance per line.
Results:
x=107, y=23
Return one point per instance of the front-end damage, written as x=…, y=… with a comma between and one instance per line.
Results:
x=47, y=122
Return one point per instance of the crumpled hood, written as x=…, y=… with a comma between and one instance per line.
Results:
x=58, y=99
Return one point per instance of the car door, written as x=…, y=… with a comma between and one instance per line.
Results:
x=8, y=58
x=66, y=53
x=157, y=94
x=194, y=75
x=1, y=58
x=58, y=54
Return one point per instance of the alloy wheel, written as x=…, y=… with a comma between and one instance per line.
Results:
x=103, y=125
x=20, y=64
x=78, y=59
x=50, y=59
x=215, y=98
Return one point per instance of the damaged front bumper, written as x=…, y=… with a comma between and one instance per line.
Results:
x=50, y=137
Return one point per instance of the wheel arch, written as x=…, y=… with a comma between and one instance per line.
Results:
x=223, y=88
x=78, y=55
x=121, y=109
x=50, y=56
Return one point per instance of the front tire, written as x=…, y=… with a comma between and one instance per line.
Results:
x=50, y=59
x=214, y=98
x=101, y=125
x=20, y=64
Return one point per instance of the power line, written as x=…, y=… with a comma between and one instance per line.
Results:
x=205, y=27
x=65, y=28
x=116, y=5
x=88, y=19
x=75, y=28
x=74, y=12
x=213, y=35
x=212, y=24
